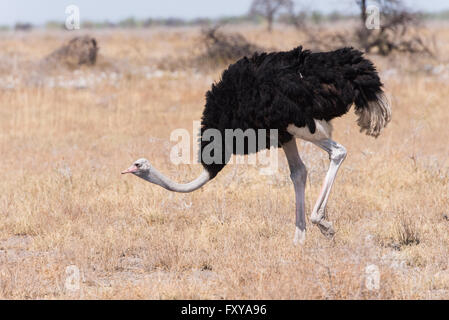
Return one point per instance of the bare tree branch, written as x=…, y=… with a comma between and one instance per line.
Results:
x=269, y=8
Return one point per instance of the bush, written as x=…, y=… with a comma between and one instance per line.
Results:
x=79, y=51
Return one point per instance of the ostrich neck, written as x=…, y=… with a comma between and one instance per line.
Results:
x=158, y=178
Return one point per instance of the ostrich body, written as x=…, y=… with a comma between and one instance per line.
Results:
x=298, y=93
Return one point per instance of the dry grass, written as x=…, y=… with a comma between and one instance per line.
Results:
x=63, y=201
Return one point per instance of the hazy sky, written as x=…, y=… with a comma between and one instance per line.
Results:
x=37, y=12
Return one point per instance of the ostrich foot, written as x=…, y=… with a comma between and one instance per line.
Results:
x=326, y=228
x=300, y=237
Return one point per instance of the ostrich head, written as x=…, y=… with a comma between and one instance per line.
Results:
x=140, y=168
x=143, y=169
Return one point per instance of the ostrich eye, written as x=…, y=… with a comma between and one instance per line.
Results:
x=137, y=165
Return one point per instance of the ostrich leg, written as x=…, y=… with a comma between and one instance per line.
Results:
x=298, y=174
x=337, y=153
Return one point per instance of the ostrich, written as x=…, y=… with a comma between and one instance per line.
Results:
x=298, y=93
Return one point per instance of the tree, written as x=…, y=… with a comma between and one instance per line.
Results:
x=397, y=31
x=391, y=35
x=269, y=9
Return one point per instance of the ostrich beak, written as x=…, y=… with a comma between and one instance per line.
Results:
x=131, y=169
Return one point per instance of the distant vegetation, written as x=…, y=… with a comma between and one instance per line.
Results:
x=442, y=15
x=312, y=17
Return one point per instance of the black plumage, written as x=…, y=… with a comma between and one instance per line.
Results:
x=273, y=90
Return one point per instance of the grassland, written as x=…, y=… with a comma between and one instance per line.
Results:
x=63, y=201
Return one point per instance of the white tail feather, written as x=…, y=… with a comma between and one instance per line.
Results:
x=375, y=116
